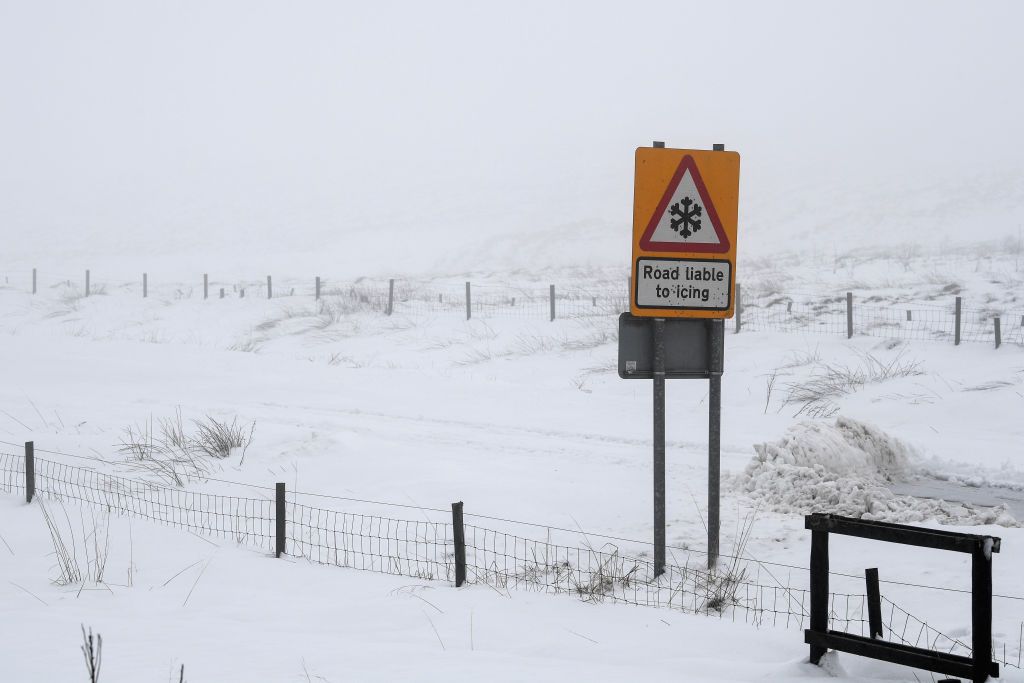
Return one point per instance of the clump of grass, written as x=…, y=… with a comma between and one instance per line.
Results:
x=92, y=650
x=177, y=456
x=70, y=551
x=831, y=380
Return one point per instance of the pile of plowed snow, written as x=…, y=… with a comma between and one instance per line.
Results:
x=846, y=468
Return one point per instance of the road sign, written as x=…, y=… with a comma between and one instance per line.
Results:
x=688, y=348
x=685, y=205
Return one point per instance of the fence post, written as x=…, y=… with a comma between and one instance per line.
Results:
x=739, y=308
x=999, y=336
x=33, y=280
x=849, y=315
x=391, y=296
x=206, y=285
x=270, y=288
x=30, y=470
x=819, y=590
x=87, y=282
x=874, y=603
x=241, y=293
x=552, y=302
x=469, y=304
x=909, y=316
x=317, y=296
x=981, y=610
x=595, y=302
x=459, y=533
x=221, y=292
x=279, y=519
x=956, y=334
x=145, y=285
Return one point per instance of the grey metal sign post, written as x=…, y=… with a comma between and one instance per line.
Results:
x=677, y=348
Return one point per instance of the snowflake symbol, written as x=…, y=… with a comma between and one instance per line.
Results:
x=686, y=220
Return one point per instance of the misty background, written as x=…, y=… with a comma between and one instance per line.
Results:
x=396, y=138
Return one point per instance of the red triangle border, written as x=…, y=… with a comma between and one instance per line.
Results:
x=687, y=164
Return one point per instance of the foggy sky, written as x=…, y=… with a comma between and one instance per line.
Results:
x=315, y=128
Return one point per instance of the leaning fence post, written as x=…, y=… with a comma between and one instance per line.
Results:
x=33, y=280
x=459, y=534
x=279, y=519
x=145, y=285
x=956, y=334
x=30, y=470
x=874, y=603
x=206, y=285
x=317, y=296
x=469, y=304
x=391, y=296
x=270, y=288
x=849, y=315
x=87, y=282
x=552, y=302
x=999, y=336
x=739, y=308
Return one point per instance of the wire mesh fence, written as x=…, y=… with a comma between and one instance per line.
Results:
x=425, y=549
x=760, y=309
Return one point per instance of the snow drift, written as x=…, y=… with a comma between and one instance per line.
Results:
x=846, y=468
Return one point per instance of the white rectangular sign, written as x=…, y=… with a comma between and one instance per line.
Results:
x=703, y=284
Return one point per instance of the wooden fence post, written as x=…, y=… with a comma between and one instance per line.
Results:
x=459, y=534
x=270, y=288
x=30, y=470
x=279, y=512
x=221, y=292
x=317, y=296
x=33, y=280
x=206, y=285
x=87, y=274
x=909, y=316
x=391, y=296
x=552, y=302
x=981, y=610
x=241, y=293
x=849, y=315
x=874, y=603
x=819, y=590
x=469, y=304
x=145, y=285
x=999, y=336
x=956, y=334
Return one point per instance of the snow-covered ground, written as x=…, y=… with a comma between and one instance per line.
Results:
x=522, y=419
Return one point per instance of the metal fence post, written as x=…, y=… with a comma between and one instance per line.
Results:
x=30, y=470
x=270, y=288
x=279, y=512
x=33, y=280
x=206, y=285
x=999, y=336
x=849, y=315
x=459, y=534
x=469, y=305
x=145, y=285
x=874, y=603
x=87, y=274
x=739, y=308
x=317, y=295
x=956, y=334
x=552, y=302
x=391, y=296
